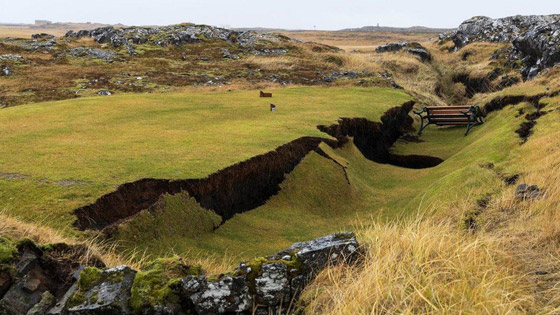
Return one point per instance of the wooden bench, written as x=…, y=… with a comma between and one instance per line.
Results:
x=263, y=94
x=469, y=116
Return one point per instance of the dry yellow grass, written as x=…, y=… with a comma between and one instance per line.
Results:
x=360, y=41
x=423, y=266
x=108, y=252
x=509, y=263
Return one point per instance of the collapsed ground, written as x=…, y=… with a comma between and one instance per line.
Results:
x=474, y=185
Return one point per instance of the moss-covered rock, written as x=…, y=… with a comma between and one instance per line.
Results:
x=102, y=291
x=157, y=283
x=7, y=251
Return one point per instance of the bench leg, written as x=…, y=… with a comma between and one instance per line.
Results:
x=422, y=126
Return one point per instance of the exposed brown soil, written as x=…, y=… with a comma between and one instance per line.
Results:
x=374, y=139
x=473, y=85
x=235, y=189
x=249, y=184
x=525, y=129
x=53, y=266
x=502, y=101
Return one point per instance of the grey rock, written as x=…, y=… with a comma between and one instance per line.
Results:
x=109, y=296
x=5, y=282
x=269, y=52
x=525, y=192
x=42, y=36
x=18, y=301
x=172, y=35
x=331, y=249
x=269, y=284
x=273, y=286
x=420, y=52
x=27, y=262
x=391, y=47
x=106, y=55
x=6, y=71
x=10, y=57
x=227, y=295
x=535, y=38
x=60, y=306
x=104, y=92
x=412, y=48
x=41, y=308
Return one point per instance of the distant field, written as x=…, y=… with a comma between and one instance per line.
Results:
x=362, y=41
x=25, y=31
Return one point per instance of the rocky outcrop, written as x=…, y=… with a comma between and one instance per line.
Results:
x=412, y=48
x=32, y=277
x=172, y=35
x=10, y=57
x=261, y=286
x=535, y=39
x=105, y=55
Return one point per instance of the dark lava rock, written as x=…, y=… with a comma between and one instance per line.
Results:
x=524, y=192
x=535, y=38
x=391, y=47
x=412, y=48
x=5, y=282
x=264, y=285
x=6, y=71
x=106, y=55
x=42, y=36
x=172, y=35
x=507, y=81
x=104, y=92
x=10, y=57
x=41, y=308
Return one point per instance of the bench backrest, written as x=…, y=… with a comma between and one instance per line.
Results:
x=446, y=110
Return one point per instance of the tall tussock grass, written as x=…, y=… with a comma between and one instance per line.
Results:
x=423, y=266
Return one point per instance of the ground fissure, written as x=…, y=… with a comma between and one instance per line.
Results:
x=249, y=184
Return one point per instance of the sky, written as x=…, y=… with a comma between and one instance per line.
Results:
x=288, y=14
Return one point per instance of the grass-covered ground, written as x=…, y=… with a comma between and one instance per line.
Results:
x=62, y=155
x=441, y=240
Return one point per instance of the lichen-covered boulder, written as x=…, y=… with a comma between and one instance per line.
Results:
x=230, y=294
x=331, y=249
x=102, y=291
x=535, y=38
x=273, y=285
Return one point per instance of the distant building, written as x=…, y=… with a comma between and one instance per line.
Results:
x=42, y=22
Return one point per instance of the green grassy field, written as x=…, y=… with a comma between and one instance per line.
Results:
x=62, y=155
x=59, y=156
x=316, y=199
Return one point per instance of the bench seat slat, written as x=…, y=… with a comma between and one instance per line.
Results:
x=448, y=107
x=446, y=112
x=459, y=123
x=447, y=116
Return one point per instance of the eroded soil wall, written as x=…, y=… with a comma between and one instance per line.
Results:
x=249, y=184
